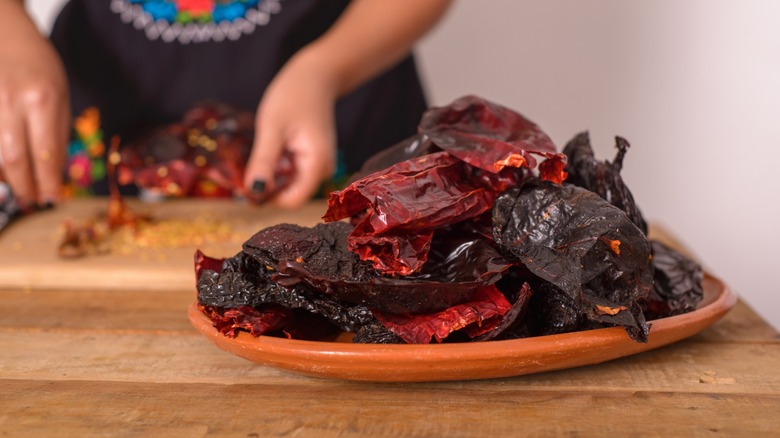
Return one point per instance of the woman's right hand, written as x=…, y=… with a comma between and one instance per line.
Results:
x=34, y=110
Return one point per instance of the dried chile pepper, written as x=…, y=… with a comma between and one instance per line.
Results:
x=678, y=283
x=491, y=137
x=244, y=282
x=552, y=311
x=407, y=149
x=256, y=321
x=572, y=238
x=270, y=319
x=602, y=177
x=512, y=318
x=478, y=316
x=376, y=333
x=481, y=133
x=321, y=249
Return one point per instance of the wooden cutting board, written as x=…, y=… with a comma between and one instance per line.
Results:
x=160, y=257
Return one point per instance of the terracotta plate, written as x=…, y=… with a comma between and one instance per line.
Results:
x=478, y=360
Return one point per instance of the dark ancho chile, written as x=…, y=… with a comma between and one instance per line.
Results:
x=585, y=247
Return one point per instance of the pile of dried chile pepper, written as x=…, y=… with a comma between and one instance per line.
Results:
x=475, y=229
x=202, y=155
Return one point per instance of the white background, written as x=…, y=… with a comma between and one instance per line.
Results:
x=694, y=85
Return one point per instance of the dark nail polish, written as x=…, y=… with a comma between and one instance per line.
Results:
x=27, y=207
x=258, y=186
x=48, y=205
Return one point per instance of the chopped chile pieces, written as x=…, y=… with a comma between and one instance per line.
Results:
x=468, y=231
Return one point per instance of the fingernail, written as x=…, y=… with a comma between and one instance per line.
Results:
x=47, y=205
x=258, y=186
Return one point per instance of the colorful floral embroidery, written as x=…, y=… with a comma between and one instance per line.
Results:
x=86, y=155
x=195, y=21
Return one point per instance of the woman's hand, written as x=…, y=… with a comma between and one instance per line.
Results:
x=297, y=110
x=34, y=110
x=296, y=113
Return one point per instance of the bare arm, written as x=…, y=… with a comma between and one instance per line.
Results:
x=34, y=111
x=371, y=36
x=296, y=111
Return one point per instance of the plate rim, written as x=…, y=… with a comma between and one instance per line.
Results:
x=468, y=360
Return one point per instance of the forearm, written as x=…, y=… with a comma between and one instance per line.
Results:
x=370, y=37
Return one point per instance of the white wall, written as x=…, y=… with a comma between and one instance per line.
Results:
x=693, y=84
x=44, y=12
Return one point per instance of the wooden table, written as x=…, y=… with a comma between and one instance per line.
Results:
x=106, y=362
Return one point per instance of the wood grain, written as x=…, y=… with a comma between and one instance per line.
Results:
x=96, y=310
x=268, y=409
x=181, y=358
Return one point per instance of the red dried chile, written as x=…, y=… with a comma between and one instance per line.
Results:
x=412, y=147
x=511, y=319
x=491, y=137
x=253, y=320
x=478, y=316
x=204, y=262
x=269, y=319
x=203, y=155
x=399, y=208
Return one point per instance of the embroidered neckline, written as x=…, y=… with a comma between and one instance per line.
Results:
x=196, y=21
